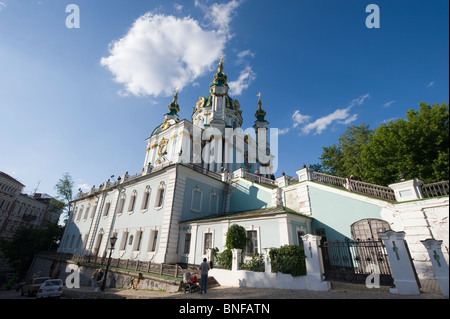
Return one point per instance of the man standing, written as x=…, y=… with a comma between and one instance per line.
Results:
x=204, y=268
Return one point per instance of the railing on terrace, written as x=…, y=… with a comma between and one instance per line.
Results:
x=435, y=189
x=260, y=179
x=171, y=270
x=205, y=171
x=378, y=191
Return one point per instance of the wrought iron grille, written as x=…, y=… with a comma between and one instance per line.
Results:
x=353, y=261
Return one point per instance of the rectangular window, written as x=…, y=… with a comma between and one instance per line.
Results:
x=137, y=242
x=123, y=243
x=106, y=211
x=187, y=243
x=213, y=205
x=121, y=205
x=132, y=202
x=161, y=198
x=252, y=243
x=153, y=241
x=207, y=243
x=196, y=200
x=93, y=212
x=145, y=202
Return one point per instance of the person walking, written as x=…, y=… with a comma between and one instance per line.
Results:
x=204, y=268
x=94, y=278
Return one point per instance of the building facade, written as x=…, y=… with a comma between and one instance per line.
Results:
x=21, y=210
x=195, y=183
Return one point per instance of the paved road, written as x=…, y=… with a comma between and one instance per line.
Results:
x=339, y=291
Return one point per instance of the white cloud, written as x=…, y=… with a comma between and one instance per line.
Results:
x=342, y=116
x=388, y=104
x=219, y=15
x=283, y=131
x=245, y=78
x=2, y=6
x=178, y=6
x=430, y=84
x=245, y=53
x=299, y=118
x=160, y=53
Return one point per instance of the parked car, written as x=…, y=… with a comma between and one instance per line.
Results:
x=31, y=286
x=50, y=288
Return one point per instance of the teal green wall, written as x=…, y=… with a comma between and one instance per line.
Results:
x=247, y=195
x=335, y=213
x=206, y=189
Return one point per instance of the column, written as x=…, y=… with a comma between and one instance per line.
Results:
x=236, y=259
x=314, y=264
x=401, y=265
x=267, y=263
x=440, y=266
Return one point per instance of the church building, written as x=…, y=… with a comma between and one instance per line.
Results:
x=199, y=177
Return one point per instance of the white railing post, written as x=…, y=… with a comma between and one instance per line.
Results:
x=236, y=259
x=440, y=266
x=314, y=263
x=401, y=265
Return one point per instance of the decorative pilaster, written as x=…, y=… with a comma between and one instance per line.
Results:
x=440, y=266
x=401, y=265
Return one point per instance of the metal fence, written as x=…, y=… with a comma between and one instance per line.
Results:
x=171, y=270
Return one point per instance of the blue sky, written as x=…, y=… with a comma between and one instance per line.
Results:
x=83, y=100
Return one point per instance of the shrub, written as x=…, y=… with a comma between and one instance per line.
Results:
x=225, y=259
x=288, y=259
x=236, y=237
x=255, y=264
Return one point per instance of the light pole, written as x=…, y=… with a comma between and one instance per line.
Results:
x=113, y=242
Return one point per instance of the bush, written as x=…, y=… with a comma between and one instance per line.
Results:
x=225, y=259
x=255, y=264
x=289, y=259
x=236, y=237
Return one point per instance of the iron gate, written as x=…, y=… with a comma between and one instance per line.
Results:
x=352, y=261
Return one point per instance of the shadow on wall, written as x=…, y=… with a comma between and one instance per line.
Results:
x=245, y=197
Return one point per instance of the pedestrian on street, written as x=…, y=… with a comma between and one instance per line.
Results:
x=94, y=278
x=204, y=268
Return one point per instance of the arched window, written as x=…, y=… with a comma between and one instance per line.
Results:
x=123, y=197
x=196, y=200
x=368, y=229
x=160, y=195
x=132, y=201
x=86, y=214
x=213, y=202
x=146, y=198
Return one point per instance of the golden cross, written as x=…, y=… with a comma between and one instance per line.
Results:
x=221, y=59
x=259, y=95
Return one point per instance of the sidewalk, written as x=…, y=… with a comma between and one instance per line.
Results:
x=344, y=291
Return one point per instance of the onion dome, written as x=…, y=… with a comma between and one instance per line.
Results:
x=174, y=108
x=220, y=78
x=260, y=113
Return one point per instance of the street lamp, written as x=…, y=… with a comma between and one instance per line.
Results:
x=113, y=242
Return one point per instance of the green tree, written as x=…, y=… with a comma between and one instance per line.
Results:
x=64, y=190
x=27, y=241
x=417, y=146
x=344, y=159
x=236, y=237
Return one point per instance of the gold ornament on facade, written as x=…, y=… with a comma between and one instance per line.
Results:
x=162, y=150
